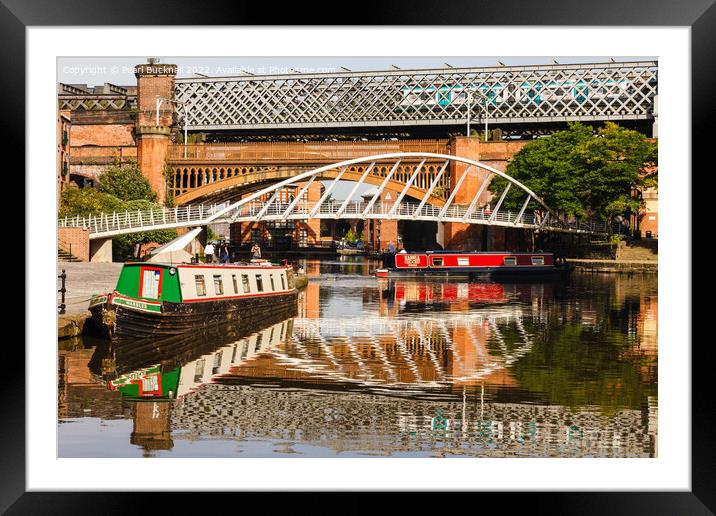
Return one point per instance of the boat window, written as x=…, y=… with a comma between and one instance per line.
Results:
x=463, y=261
x=150, y=283
x=283, y=282
x=273, y=286
x=245, y=283
x=218, y=285
x=510, y=260
x=200, y=285
x=258, y=341
x=217, y=362
x=437, y=262
x=259, y=283
x=538, y=260
x=236, y=287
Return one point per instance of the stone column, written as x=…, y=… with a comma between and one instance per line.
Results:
x=154, y=80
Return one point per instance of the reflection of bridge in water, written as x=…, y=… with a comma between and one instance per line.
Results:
x=335, y=375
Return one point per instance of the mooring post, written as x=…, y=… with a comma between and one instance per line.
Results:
x=62, y=291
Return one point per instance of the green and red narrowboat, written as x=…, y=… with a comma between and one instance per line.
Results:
x=154, y=299
x=461, y=264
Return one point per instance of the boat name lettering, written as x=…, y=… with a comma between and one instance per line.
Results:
x=412, y=260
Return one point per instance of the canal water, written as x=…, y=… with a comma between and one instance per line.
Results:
x=400, y=368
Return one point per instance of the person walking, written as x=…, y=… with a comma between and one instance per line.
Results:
x=223, y=254
x=209, y=253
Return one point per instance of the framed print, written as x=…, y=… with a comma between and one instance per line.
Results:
x=416, y=258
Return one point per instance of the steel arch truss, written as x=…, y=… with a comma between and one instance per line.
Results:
x=263, y=205
x=508, y=94
x=266, y=204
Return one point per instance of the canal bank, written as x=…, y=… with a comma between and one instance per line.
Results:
x=615, y=266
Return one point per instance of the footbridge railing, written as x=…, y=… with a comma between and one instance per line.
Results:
x=107, y=225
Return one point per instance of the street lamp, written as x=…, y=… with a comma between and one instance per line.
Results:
x=160, y=100
x=469, y=110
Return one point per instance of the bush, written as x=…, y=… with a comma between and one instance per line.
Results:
x=126, y=181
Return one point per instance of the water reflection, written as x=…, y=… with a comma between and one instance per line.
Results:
x=396, y=368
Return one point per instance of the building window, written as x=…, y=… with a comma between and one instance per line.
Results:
x=273, y=286
x=259, y=283
x=510, y=260
x=538, y=260
x=218, y=285
x=200, y=285
x=245, y=283
x=236, y=287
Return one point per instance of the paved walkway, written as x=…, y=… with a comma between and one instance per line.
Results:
x=85, y=279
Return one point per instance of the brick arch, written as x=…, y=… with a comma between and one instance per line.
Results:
x=261, y=175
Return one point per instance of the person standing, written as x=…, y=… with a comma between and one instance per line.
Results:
x=256, y=252
x=209, y=253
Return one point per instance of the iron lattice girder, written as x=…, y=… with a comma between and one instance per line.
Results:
x=514, y=94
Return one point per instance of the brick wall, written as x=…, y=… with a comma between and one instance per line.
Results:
x=102, y=135
x=77, y=239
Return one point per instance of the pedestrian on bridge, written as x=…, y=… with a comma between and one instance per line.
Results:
x=209, y=253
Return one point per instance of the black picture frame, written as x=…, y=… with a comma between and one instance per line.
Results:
x=700, y=15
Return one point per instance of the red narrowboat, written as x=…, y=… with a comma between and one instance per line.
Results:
x=467, y=264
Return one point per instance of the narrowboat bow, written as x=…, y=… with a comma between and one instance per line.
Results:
x=468, y=264
x=154, y=299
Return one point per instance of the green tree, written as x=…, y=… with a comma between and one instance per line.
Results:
x=579, y=174
x=126, y=181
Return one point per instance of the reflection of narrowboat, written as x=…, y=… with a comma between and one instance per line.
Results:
x=187, y=363
x=467, y=264
x=159, y=299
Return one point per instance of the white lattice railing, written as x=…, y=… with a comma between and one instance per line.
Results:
x=117, y=223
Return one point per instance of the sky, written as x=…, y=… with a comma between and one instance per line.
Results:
x=95, y=71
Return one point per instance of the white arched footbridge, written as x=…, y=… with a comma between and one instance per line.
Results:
x=264, y=205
